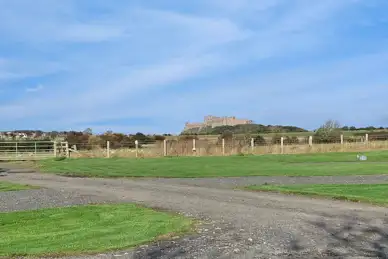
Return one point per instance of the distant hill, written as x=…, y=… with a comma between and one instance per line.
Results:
x=244, y=129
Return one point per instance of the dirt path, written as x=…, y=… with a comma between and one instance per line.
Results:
x=239, y=224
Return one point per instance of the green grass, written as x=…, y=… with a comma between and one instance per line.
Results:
x=6, y=187
x=371, y=193
x=188, y=167
x=84, y=229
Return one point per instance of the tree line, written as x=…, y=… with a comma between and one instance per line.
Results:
x=243, y=129
x=86, y=140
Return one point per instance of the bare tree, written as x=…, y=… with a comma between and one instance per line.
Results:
x=331, y=129
x=88, y=131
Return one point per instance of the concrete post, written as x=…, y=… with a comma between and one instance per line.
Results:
x=223, y=147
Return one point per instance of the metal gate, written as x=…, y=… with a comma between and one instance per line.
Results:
x=27, y=150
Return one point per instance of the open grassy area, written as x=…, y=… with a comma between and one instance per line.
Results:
x=266, y=165
x=89, y=229
x=6, y=187
x=371, y=193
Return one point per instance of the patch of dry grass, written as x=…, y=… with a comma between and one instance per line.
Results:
x=212, y=148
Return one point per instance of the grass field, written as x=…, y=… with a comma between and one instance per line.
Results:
x=88, y=229
x=371, y=193
x=6, y=187
x=266, y=165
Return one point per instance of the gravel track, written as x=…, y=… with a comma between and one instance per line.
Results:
x=45, y=198
x=236, y=224
x=234, y=182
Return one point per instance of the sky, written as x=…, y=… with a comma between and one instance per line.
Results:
x=150, y=66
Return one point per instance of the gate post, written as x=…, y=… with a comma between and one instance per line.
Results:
x=67, y=150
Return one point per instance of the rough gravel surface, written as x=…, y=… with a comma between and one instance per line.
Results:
x=233, y=182
x=45, y=198
x=236, y=224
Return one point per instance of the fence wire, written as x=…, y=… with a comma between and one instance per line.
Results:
x=197, y=146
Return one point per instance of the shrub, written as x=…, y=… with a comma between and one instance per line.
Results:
x=159, y=138
x=260, y=140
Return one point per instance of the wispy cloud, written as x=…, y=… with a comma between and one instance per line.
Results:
x=34, y=89
x=172, y=63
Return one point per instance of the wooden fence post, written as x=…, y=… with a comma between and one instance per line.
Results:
x=282, y=145
x=311, y=141
x=55, y=148
x=252, y=144
x=108, y=149
x=194, y=151
x=67, y=149
x=366, y=138
x=342, y=139
x=137, y=147
x=223, y=146
x=165, y=147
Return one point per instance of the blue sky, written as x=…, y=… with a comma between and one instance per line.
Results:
x=150, y=66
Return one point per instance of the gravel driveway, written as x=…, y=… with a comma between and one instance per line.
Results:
x=237, y=224
x=233, y=182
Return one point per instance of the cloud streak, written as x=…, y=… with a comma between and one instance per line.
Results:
x=34, y=89
x=264, y=60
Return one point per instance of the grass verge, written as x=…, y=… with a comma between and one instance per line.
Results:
x=6, y=187
x=84, y=229
x=329, y=164
x=370, y=193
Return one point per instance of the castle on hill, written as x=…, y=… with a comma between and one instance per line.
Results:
x=214, y=121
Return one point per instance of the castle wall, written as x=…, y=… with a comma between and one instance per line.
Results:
x=214, y=121
x=193, y=125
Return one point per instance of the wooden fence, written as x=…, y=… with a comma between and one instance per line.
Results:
x=226, y=147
